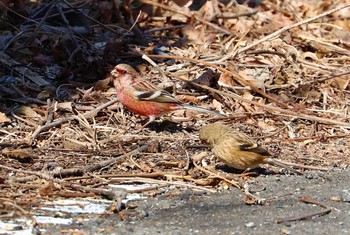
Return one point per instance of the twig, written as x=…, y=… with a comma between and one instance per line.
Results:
x=97, y=166
x=276, y=109
x=96, y=21
x=113, y=194
x=307, y=216
x=148, y=180
x=286, y=28
x=189, y=15
x=326, y=78
x=24, y=120
x=235, y=75
x=248, y=193
x=90, y=168
x=321, y=137
x=234, y=183
x=149, y=60
x=29, y=74
x=87, y=115
x=49, y=112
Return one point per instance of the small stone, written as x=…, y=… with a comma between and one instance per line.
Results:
x=250, y=225
x=345, y=196
x=335, y=198
x=285, y=231
x=311, y=175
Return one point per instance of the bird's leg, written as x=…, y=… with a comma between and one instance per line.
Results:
x=150, y=120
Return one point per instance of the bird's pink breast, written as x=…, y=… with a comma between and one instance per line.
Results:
x=144, y=108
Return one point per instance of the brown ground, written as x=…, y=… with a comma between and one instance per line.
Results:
x=290, y=92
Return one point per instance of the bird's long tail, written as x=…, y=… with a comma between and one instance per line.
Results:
x=281, y=164
x=289, y=165
x=202, y=110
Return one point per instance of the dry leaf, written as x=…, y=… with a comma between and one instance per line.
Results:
x=65, y=106
x=4, y=118
x=90, y=94
x=43, y=95
x=257, y=77
x=313, y=96
x=27, y=112
x=226, y=80
x=47, y=189
x=285, y=231
x=247, y=96
x=199, y=156
x=265, y=127
x=188, y=99
x=248, y=107
x=217, y=105
x=21, y=155
x=155, y=147
x=195, y=34
x=259, y=84
x=102, y=84
x=206, y=78
x=205, y=181
x=250, y=200
x=341, y=82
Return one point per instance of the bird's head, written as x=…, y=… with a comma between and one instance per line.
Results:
x=123, y=75
x=213, y=133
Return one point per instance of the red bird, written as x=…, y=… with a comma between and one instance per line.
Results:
x=142, y=97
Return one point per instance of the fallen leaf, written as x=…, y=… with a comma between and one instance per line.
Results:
x=102, y=84
x=206, y=78
x=21, y=155
x=4, y=118
x=341, y=82
x=199, y=156
x=217, y=105
x=265, y=127
x=188, y=99
x=226, y=80
x=27, y=112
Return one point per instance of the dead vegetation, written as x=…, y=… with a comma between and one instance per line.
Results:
x=279, y=70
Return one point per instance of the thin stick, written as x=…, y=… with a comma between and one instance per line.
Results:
x=307, y=216
x=87, y=115
x=234, y=183
x=234, y=74
x=286, y=28
x=276, y=109
x=189, y=15
x=149, y=180
x=149, y=60
x=112, y=194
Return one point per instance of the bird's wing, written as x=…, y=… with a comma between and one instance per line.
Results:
x=157, y=96
x=246, y=144
x=255, y=148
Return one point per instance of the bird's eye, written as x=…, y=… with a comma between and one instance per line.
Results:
x=121, y=71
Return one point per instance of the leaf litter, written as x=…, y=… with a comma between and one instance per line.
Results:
x=278, y=70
